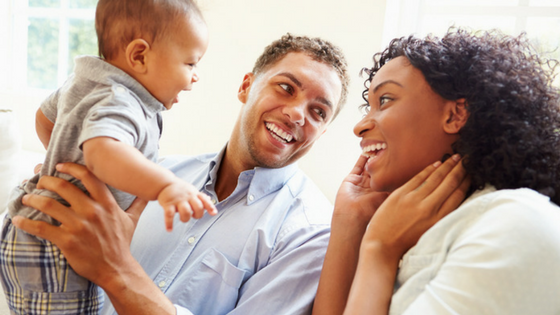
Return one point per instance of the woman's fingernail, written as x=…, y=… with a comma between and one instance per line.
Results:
x=456, y=157
x=436, y=164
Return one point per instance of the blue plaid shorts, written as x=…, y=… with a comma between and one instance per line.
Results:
x=37, y=279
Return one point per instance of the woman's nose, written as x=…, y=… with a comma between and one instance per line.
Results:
x=365, y=124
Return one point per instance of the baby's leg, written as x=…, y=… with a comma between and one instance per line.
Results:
x=38, y=280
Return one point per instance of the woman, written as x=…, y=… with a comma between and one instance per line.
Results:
x=487, y=97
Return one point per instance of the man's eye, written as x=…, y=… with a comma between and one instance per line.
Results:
x=321, y=113
x=286, y=87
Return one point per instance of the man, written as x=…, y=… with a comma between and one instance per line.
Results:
x=262, y=253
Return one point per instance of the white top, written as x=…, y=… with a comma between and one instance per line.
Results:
x=498, y=253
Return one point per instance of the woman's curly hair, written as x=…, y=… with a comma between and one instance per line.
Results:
x=512, y=136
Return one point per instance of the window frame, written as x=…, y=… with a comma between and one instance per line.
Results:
x=16, y=20
x=404, y=17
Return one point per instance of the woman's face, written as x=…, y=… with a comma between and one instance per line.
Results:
x=403, y=131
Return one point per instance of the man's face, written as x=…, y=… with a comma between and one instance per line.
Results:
x=286, y=109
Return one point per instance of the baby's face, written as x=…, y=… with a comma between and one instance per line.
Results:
x=172, y=64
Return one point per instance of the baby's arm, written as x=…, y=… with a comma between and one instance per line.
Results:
x=125, y=168
x=44, y=127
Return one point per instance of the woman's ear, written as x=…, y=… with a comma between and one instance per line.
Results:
x=456, y=115
x=136, y=55
x=243, y=93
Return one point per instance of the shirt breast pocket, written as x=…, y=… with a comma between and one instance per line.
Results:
x=215, y=284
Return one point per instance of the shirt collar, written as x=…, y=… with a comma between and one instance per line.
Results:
x=255, y=183
x=97, y=70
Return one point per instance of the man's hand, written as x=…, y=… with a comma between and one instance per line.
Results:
x=94, y=234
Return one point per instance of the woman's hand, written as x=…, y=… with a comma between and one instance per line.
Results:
x=355, y=197
x=355, y=204
x=417, y=205
x=397, y=225
x=94, y=234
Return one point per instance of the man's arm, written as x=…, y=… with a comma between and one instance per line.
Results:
x=43, y=127
x=95, y=236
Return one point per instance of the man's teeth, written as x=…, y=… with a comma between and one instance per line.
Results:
x=371, y=150
x=278, y=133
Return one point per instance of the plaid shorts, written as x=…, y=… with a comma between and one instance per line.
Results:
x=38, y=280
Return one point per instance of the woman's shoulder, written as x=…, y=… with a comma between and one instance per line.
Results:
x=512, y=218
x=497, y=217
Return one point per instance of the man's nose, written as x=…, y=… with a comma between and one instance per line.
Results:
x=295, y=112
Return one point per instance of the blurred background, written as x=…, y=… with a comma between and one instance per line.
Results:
x=40, y=38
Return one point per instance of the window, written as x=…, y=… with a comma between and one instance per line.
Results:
x=539, y=18
x=45, y=36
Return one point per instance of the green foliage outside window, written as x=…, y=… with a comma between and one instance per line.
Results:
x=44, y=3
x=43, y=40
x=82, y=41
x=42, y=53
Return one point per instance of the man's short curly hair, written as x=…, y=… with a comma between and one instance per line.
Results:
x=512, y=136
x=317, y=48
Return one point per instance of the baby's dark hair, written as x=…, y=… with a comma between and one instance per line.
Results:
x=317, y=48
x=512, y=136
x=118, y=22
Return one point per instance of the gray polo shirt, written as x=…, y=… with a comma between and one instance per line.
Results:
x=98, y=100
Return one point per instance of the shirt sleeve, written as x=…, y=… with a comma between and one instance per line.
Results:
x=49, y=106
x=288, y=283
x=505, y=263
x=115, y=118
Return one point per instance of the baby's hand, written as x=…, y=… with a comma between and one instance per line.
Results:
x=185, y=199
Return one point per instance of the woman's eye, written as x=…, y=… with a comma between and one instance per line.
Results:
x=364, y=108
x=286, y=87
x=383, y=100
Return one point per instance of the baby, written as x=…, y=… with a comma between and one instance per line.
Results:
x=108, y=117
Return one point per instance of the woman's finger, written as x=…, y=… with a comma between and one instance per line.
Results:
x=358, y=168
x=451, y=181
x=442, y=173
x=437, y=176
x=456, y=197
x=419, y=180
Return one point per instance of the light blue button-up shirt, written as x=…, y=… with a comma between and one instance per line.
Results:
x=261, y=254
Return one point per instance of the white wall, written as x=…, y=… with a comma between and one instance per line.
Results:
x=239, y=30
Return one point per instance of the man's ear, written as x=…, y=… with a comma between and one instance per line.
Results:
x=137, y=54
x=456, y=115
x=243, y=93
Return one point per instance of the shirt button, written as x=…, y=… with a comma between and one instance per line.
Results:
x=214, y=201
x=120, y=89
x=191, y=240
x=251, y=197
x=161, y=284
